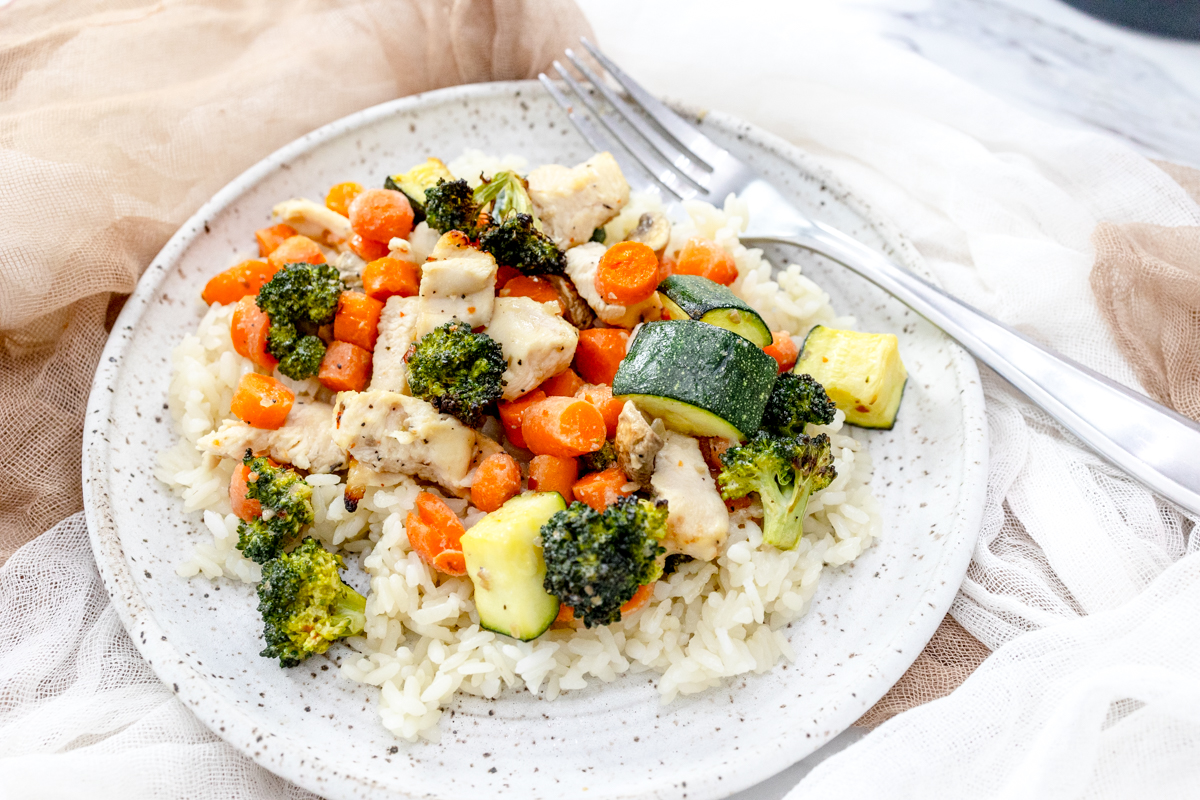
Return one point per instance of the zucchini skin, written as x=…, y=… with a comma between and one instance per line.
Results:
x=699, y=365
x=708, y=301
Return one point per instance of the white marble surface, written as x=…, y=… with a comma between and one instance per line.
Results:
x=1040, y=55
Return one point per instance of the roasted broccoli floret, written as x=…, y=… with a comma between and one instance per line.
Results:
x=595, y=561
x=304, y=604
x=784, y=471
x=299, y=299
x=459, y=372
x=451, y=206
x=503, y=196
x=600, y=460
x=795, y=401
x=518, y=243
x=286, y=503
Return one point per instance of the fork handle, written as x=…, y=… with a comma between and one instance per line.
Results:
x=1151, y=443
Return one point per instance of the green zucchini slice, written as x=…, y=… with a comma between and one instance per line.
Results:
x=694, y=297
x=699, y=379
x=414, y=183
x=862, y=372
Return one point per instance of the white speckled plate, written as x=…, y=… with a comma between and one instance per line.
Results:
x=868, y=622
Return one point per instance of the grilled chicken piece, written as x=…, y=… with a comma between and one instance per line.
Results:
x=392, y=432
x=397, y=329
x=572, y=203
x=637, y=443
x=697, y=519
x=316, y=222
x=459, y=282
x=537, y=343
x=583, y=263
x=304, y=441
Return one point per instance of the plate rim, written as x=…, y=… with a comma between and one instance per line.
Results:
x=237, y=727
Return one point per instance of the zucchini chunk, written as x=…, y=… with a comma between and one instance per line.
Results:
x=694, y=297
x=697, y=378
x=414, y=183
x=862, y=372
x=504, y=561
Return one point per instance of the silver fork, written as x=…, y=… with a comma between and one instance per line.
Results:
x=1148, y=441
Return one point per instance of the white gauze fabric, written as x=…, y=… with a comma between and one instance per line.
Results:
x=1002, y=206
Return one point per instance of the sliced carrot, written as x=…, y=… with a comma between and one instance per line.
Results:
x=566, y=614
x=248, y=329
x=600, y=395
x=357, y=319
x=666, y=269
x=345, y=368
x=538, y=289
x=553, y=474
x=243, y=507
x=564, y=384
x=381, y=214
x=563, y=426
x=628, y=273
x=236, y=282
x=512, y=414
x=600, y=489
x=504, y=274
x=296, y=250
x=390, y=277
x=261, y=401
x=341, y=195
x=599, y=353
x=497, y=478
x=643, y=595
x=783, y=350
x=272, y=237
x=435, y=534
x=708, y=259
x=368, y=249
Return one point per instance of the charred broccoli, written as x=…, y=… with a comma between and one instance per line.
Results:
x=298, y=300
x=304, y=604
x=451, y=206
x=503, y=196
x=518, y=243
x=286, y=502
x=795, y=401
x=784, y=471
x=595, y=561
x=599, y=460
x=459, y=372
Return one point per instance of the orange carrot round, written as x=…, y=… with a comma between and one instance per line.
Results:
x=783, y=350
x=497, y=478
x=563, y=426
x=243, y=507
x=628, y=273
x=435, y=534
x=599, y=353
x=553, y=474
x=600, y=489
x=512, y=414
x=538, y=289
x=357, y=319
x=248, y=328
x=381, y=214
x=345, y=368
x=504, y=274
x=296, y=250
x=708, y=259
x=270, y=238
x=600, y=395
x=368, y=249
x=236, y=282
x=341, y=195
x=261, y=401
x=564, y=384
x=390, y=277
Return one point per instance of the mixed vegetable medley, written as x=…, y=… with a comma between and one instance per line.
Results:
x=603, y=405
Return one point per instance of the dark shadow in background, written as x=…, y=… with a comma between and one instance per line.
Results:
x=1176, y=18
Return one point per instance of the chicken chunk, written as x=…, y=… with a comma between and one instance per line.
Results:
x=316, y=222
x=394, y=433
x=697, y=519
x=572, y=203
x=637, y=443
x=537, y=343
x=397, y=330
x=304, y=441
x=459, y=282
x=583, y=263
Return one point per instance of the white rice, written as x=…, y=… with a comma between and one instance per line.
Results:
x=707, y=622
